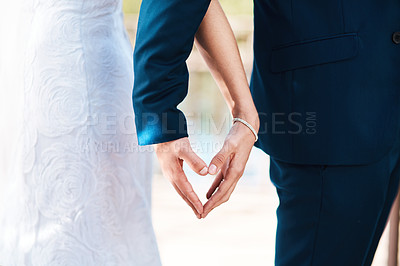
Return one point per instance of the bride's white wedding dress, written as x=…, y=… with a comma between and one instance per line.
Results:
x=78, y=188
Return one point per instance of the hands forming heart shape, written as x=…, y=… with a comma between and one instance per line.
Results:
x=228, y=165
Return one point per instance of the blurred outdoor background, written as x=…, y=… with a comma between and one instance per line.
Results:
x=242, y=231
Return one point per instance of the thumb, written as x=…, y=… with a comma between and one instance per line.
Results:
x=219, y=159
x=194, y=161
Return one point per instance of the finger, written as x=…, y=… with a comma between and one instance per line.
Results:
x=225, y=189
x=186, y=188
x=211, y=208
x=217, y=181
x=194, y=161
x=220, y=158
x=218, y=198
x=186, y=200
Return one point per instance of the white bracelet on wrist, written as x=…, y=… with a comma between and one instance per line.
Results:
x=236, y=119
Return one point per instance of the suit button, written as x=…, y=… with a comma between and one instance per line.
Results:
x=396, y=37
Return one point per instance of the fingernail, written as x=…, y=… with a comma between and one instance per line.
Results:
x=204, y=171
x=213, y=169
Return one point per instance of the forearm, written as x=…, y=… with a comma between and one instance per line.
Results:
x=217, y=44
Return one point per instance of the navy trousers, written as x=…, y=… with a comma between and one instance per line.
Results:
x=333, y=215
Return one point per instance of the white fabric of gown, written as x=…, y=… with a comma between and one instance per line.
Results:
x=78, y=188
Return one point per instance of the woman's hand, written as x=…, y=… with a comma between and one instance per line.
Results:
x=229, y=164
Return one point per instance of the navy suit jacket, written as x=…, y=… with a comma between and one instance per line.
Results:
x=325, y=81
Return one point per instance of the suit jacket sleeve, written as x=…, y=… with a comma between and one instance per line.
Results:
x=164, y=40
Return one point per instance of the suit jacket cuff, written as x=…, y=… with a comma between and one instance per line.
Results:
x=153, y=128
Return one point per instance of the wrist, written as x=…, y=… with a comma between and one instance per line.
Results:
x=250, y=115
x=245, y=123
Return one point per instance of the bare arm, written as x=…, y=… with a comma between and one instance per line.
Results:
x=218, y=46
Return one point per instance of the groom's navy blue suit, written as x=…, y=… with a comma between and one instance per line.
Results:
x=326, y=83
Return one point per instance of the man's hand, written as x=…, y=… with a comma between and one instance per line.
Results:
x=171, y=156
x=231, y=160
